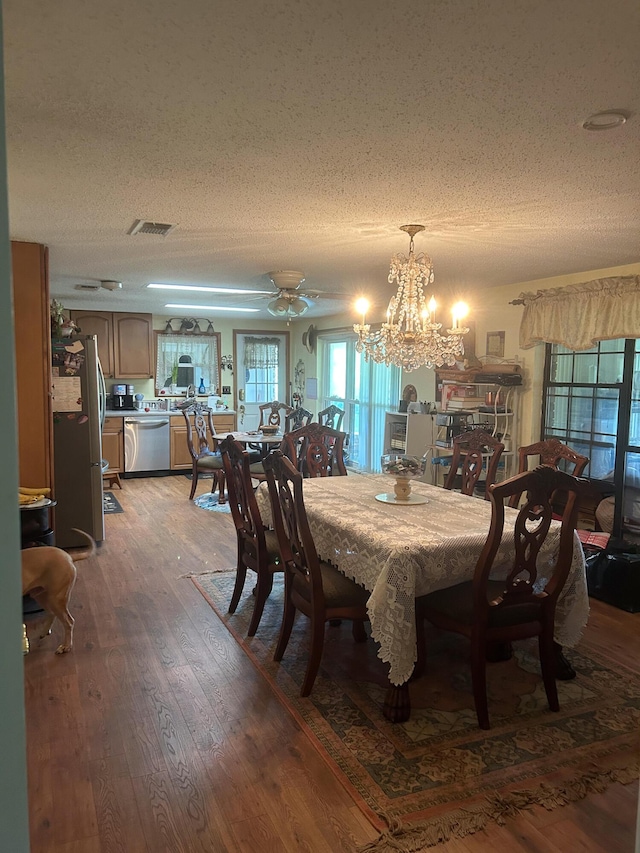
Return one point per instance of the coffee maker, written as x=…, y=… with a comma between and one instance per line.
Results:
x=122, y=397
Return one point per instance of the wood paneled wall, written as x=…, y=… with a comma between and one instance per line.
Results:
x=30, y=277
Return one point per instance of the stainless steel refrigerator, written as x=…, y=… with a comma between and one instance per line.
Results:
x=78, y=415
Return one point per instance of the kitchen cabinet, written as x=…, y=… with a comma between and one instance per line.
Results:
x=179, y=451
x=30, y=280
x=113, y=444
x=125, y=342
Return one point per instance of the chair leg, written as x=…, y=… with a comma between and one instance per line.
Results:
x=194, y=483
x=263, y=590
x=548, y=667
x=315, y=655
x=241, y=574
x=358, y=631
x=479, y=681
x=287, y=621
x=220, y=483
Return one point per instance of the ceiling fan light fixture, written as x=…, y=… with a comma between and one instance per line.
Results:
x=287, y=306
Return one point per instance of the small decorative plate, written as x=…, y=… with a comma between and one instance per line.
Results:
x=410, y=394
x=389, y=498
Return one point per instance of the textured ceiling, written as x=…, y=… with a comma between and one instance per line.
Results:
x=301, y=135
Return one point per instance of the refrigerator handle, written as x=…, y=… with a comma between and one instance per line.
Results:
x=102, y=396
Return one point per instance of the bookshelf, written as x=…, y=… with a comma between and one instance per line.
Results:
x=488, y=404
x=413, y=434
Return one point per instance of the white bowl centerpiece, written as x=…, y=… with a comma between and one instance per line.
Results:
x=404, y=468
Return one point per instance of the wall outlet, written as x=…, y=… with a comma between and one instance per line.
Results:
x=226, y=389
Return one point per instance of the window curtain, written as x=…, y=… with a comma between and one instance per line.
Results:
x=380, y=386
x=580, y=315
x=261, y=353
x=204, y=358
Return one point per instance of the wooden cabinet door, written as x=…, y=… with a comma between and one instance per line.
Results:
x=224, y=423
x=133, y=346
x=98, y=323
x=113, y=443
x=180, y=456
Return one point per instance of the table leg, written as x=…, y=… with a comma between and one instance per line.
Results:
x=397, y=704
x=564, y=670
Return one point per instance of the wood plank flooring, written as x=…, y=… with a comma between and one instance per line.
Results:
x=156, y=734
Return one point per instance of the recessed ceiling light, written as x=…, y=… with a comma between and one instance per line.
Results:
x=203, y=289
x=606, y=120
x=211, y=308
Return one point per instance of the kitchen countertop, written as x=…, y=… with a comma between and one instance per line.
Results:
x=128, y=413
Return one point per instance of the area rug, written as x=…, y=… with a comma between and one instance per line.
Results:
x=210, y=501
x=439, y=775
x=111, y=503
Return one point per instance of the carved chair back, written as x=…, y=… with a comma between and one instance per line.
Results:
x=316, y=450
x=470, y=450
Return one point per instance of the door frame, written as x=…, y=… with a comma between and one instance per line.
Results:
x=237, y=366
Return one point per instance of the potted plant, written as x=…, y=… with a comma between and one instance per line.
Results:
x=61, y=325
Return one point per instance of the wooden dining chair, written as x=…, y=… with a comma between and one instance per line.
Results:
x=316, y=450
x=551, y=452
x=299, y=417
x=331, y=416
x=274, y=414
x=490, y=611
x=470, y=449
x=203, y=448
x=257, y=545
x=312, y=586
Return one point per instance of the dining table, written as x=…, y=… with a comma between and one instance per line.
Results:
x=399, y=551
x=262, y=441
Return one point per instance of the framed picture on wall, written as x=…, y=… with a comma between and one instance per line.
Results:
x=495, y=344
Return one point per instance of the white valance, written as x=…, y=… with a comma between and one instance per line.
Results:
x=580, y=315
x=261, y=353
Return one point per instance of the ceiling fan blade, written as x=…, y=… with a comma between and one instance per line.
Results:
x=324, y=294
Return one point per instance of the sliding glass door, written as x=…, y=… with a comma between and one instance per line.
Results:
x=363, y=389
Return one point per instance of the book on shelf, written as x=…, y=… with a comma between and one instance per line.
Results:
x=459, y=391
x=462, y=405
x=441, y=442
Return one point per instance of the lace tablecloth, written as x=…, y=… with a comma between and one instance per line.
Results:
x=399, y=552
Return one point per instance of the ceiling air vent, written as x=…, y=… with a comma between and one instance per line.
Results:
x=144, y=226
x=89, y=286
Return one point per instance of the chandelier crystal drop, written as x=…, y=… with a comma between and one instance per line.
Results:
x=410, y=337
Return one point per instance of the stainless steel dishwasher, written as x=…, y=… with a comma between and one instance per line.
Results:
x=146, y=444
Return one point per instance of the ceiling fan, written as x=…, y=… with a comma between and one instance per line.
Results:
x=291, y=300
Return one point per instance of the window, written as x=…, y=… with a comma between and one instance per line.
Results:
x=185, y=359
x=592, y=403
x=261, y=362
x=363, y=389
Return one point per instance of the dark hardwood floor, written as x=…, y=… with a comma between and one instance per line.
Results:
x=157, y=735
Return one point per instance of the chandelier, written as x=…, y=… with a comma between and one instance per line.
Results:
x=410, y=336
